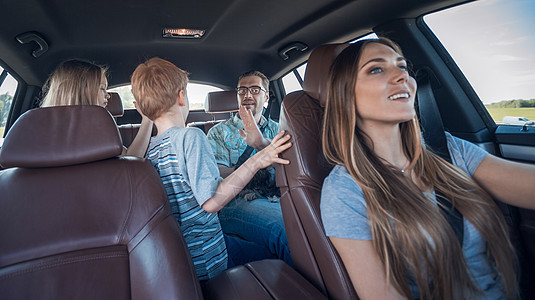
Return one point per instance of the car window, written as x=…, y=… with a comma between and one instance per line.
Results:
x=292, y=81
x=492, y=43
x=8, y=87
x=196, y=95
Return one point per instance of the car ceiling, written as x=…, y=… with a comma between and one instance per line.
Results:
x=240, y=34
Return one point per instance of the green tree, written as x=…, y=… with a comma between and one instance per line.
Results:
x=5, y=104
x=518, y=103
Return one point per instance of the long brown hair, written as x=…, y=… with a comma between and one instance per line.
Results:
x=410, y=235
x=74, y=82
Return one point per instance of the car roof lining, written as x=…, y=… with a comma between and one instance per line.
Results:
x=240, y=34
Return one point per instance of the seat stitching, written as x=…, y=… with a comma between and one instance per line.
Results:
x=50, y=265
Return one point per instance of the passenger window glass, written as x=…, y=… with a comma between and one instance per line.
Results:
x=290, y=82
x=196, y=95
x=8, y=87
x=492, y=43
x=301, y=70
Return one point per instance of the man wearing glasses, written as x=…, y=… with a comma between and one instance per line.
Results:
x=255, y=214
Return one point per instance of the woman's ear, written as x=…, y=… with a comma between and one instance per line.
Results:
x=181, y=98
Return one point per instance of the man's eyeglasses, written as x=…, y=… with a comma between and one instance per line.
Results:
x=254, y=90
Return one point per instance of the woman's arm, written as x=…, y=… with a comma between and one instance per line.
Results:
x=139, y=146
x=365, y=269
x=234, y=183
x=507, y=181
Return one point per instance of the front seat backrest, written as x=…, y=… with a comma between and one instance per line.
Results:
x=220, y=105
x=301, y=181
x=78, y=222
x=115, y=105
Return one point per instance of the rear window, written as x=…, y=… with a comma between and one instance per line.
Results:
x=8, y=87
x=492, y=42
x=196, y=95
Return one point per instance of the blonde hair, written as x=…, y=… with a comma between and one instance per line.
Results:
x=156, y=84
x=74, y=82
x=410, y=235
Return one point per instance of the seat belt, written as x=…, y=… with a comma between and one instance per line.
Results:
x=435, y=139
x=268, y=109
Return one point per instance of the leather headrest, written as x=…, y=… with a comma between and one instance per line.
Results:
x=221, y=102
x=115, y=105
x=317, y=71
x=61, y=136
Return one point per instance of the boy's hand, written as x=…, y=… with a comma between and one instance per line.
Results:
x=251, y=135
x=270, y=154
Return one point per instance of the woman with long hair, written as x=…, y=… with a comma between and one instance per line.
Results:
x=79, y=82
x=379, y=204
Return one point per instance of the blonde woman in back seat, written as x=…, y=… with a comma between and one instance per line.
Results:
x=78, y=82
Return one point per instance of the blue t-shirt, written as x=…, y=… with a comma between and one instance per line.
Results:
x=184, y=161
x=344, y=215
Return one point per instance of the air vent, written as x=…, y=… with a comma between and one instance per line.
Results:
x=182, y=33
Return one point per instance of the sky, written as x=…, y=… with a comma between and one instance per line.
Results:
x=493, y=43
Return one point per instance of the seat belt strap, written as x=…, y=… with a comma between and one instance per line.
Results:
x=435, y=139
x=431, y=122
x=268, y=109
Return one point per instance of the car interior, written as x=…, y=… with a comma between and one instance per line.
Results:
x=127, y=244
x=78, y=221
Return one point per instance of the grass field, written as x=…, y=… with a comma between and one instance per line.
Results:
x=498, y=113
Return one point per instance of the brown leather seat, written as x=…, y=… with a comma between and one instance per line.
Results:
x=301, y=181
x=128, y=132
x=78, y=222
x=221, y=105
x=115, y=105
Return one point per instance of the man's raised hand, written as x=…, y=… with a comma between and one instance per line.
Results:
x=251, y=135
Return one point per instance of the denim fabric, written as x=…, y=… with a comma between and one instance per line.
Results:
x=241, y=251
x=258, y=221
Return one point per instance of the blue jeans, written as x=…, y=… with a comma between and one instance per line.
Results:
x=258, y=221
x=241, y=251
